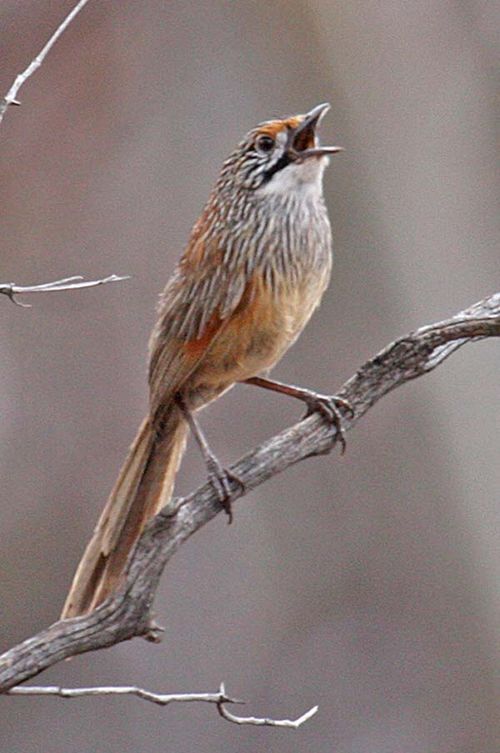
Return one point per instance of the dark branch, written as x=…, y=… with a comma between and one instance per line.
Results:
x=128, y=612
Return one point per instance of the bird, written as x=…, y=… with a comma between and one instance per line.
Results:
x=255, y=267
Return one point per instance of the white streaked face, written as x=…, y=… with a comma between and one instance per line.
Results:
x=281, y=157
x=305, y=177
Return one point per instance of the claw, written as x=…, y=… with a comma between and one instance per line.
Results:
x=221, y=480
x=328, y=407
x=345, y=404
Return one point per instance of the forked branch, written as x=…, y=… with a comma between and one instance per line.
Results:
x=220, y=699
x=128, y=612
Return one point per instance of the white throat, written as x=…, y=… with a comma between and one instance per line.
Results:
x=303, y=178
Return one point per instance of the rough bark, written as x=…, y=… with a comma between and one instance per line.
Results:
x=128, y=613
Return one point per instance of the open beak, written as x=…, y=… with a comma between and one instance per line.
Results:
x=303, y=143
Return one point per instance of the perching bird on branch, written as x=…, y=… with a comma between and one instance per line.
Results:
x=255, y=268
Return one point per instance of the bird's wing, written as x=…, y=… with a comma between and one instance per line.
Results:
x=194, y=309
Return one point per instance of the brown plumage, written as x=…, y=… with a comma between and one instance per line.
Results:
x=255, y=268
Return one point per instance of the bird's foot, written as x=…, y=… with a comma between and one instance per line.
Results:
x=330, y=407
x=223, y=482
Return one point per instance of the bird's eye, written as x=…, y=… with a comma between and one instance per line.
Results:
x=265, y=143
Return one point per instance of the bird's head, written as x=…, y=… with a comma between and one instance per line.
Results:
x=280, y=155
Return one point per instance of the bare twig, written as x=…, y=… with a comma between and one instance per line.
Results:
x=161, y=699
x=10, y=97
x=263, y=721
x=10, y=289
x=220, y=699
x=128, y=612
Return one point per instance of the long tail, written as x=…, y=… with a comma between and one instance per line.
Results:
x=144, y=486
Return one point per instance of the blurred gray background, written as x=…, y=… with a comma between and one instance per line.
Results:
x=367, y=584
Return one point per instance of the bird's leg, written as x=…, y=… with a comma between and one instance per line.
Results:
x=326, y=405
x=219, y=477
